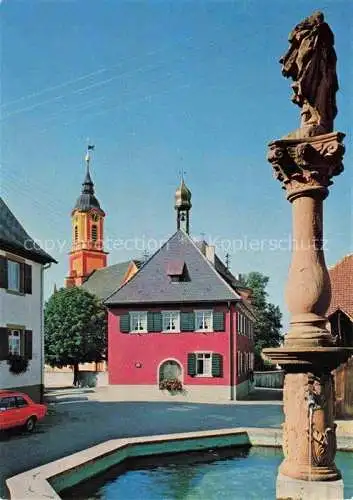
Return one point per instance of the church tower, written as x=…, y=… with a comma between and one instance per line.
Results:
x=183, y=206
x=87, y=219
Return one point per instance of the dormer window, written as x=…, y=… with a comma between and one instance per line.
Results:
x=177, y=271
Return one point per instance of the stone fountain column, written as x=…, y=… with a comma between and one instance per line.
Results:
x=305, y=167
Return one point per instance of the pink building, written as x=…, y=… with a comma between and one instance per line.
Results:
x=183, y=316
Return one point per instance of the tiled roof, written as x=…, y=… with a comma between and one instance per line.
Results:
x=14, y=238
x=151, y=284
x=341, y=276
x=103, y=282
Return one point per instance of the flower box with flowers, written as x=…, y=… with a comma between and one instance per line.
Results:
x=172, y=385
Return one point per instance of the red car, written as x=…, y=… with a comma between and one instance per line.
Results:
x=18, y=410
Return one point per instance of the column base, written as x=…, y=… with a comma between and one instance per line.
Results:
x=297, y=489
x=308, y=330
x=322, y=473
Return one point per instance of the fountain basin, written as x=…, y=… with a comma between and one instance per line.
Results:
x=49, y=480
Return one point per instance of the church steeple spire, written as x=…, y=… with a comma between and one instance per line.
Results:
x=88, y=186
x=87, y=252
x=183, y=206
x=87, y=200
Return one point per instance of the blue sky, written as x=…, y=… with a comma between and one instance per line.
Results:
x=159, y=87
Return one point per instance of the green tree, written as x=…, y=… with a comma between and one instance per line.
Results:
x=267, y=328
x=74, y=329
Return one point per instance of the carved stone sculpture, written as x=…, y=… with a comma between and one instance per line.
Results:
x=311, y=63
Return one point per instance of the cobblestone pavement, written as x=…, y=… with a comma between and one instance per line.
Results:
x=77, y=419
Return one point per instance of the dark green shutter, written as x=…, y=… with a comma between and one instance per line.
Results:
x=217, y=365
x=28, y=344
x=187, y=321
x=125, y=323
x=4, y=343
x=28, y=278
x=22, y=277
x=218, y=321
x=157, y=322
x=154, y=322
x=150, y=322
x=192, y=364
x=3, y=272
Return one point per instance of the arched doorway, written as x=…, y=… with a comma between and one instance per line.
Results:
x=170, y=369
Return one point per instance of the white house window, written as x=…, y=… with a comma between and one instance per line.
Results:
x=203, y=321
x=171, y=321
x=204, y=364
x=138, y=321
x=15, y=342
x=13, y=269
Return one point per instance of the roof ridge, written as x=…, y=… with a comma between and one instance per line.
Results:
x=112, y=265
x=340, y=261
x=213, y=267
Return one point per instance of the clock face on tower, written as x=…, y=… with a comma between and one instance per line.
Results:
x=95, y=217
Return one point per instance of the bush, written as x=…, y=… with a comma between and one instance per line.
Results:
x=171, y=385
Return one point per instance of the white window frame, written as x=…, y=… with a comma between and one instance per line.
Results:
x=203, y=354
x=15, y=337
x=203, y=312
x=142, y=318
x=166, y=320
x=11, y=275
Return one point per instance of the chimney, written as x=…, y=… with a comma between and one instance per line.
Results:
x=210, y=253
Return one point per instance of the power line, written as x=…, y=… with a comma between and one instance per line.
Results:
x=81, y=90
x=86, y=76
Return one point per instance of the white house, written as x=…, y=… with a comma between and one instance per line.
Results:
x=22, y=266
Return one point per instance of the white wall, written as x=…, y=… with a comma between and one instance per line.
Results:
x=24, y=310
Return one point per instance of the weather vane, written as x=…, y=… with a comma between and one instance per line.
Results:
x=90, y=147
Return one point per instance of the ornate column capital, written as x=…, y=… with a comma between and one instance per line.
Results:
x=307, y=164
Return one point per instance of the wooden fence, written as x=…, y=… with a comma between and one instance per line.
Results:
x=270, y=379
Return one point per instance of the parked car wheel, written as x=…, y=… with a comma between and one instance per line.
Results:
x=30, y=424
